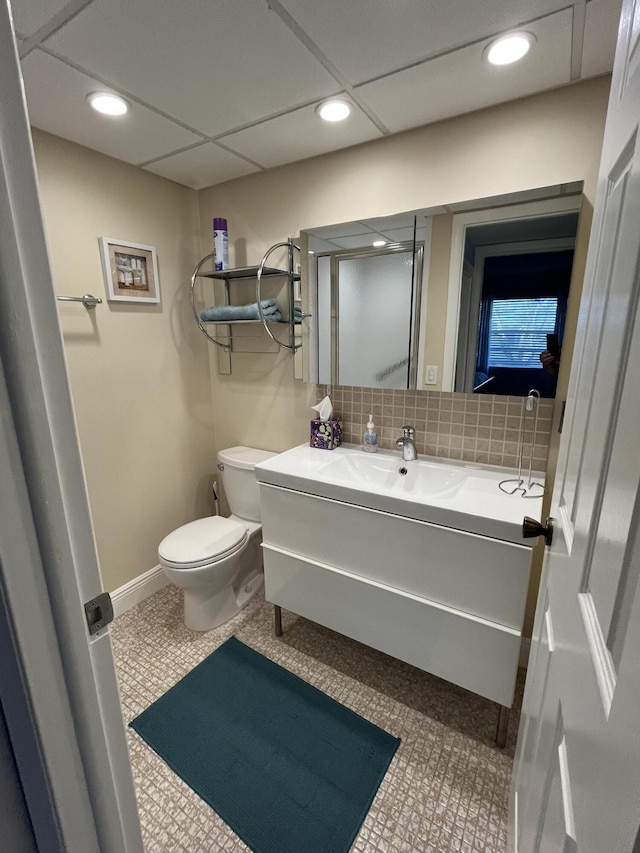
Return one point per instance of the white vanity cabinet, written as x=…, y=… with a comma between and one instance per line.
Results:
x=445, y=599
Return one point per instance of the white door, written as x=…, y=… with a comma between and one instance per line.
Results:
x=58, y=690
x=577, y=775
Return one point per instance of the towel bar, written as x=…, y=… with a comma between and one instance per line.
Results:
x=87, y=300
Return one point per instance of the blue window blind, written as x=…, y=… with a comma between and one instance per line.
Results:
x=518, y=329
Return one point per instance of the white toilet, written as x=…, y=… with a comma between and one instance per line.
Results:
x=218, y=561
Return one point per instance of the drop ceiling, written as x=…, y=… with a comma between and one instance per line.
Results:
x=225, y=88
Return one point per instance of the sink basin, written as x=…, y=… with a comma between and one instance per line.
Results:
x=387, y=472
x=461, y=495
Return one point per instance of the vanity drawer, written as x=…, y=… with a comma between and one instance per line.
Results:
x=473, y=653
x=475, y=574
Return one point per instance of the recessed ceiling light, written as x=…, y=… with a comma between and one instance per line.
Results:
x=108, y=103
x=334, y=110
x=379, y=242
x=509, y=48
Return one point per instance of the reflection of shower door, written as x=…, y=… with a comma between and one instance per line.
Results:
x=376, y=339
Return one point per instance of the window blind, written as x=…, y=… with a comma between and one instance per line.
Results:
x=518, y=330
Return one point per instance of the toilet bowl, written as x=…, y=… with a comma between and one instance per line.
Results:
x=218, y=561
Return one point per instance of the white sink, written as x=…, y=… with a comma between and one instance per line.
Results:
x=460, y=495
x=388, y=472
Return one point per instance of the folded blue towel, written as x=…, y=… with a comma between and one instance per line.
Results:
x=226, y=313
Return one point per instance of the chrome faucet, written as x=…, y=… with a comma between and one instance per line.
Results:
x=407, y=444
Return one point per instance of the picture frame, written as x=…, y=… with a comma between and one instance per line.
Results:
x=130, y=271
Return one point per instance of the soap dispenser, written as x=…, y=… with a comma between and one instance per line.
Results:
x=370, y=443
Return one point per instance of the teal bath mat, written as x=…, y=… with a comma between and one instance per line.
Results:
x=289, y=769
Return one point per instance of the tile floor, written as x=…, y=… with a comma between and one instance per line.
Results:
x=446, y=788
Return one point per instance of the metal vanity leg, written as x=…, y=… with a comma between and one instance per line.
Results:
x=501, y=728
x=277, y=620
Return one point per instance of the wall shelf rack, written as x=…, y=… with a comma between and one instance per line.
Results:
x=222, y=331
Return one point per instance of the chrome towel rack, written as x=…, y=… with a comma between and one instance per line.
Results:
x=87, y=300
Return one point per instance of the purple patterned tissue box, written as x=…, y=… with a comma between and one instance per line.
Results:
x=326, y=435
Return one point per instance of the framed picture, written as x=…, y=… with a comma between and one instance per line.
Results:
x=130, y=271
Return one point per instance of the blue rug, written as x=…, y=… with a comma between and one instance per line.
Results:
x=289, y=769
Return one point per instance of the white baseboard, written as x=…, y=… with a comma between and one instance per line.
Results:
x=525, y=648
x=135, y=591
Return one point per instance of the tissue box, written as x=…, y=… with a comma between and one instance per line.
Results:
x=326, y=435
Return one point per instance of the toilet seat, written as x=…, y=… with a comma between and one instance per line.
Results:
x=202, y=542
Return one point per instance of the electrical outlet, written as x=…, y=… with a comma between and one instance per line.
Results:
x=431, y=374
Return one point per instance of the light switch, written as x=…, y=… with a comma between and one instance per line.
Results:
x=431, y=374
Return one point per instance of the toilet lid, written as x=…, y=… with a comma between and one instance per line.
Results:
x=202, y=541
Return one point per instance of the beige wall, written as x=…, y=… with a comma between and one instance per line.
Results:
x=139, y=373
x=547, y=139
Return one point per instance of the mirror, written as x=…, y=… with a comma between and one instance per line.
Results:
x=455, y=298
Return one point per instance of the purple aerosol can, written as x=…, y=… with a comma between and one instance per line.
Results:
x=220, y=244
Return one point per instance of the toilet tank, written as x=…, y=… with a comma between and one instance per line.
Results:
x=239, y=479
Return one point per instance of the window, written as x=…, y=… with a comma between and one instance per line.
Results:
x=517, y=330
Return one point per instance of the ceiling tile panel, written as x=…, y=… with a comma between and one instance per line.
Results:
x=245, y=71
x=56, y=101
x=298, y=135
x=461, y=81
x=600, y=34
x=403, y=235
x=30, y=15
x=317, y=246
x=341, y=229
x=202, y=167
x=392, y=34
x=396, y=220
x=355, y=242
x=213, y=65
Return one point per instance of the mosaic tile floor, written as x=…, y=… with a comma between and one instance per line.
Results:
x=445, y=790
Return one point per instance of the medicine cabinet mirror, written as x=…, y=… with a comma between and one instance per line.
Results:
x=455, y=298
